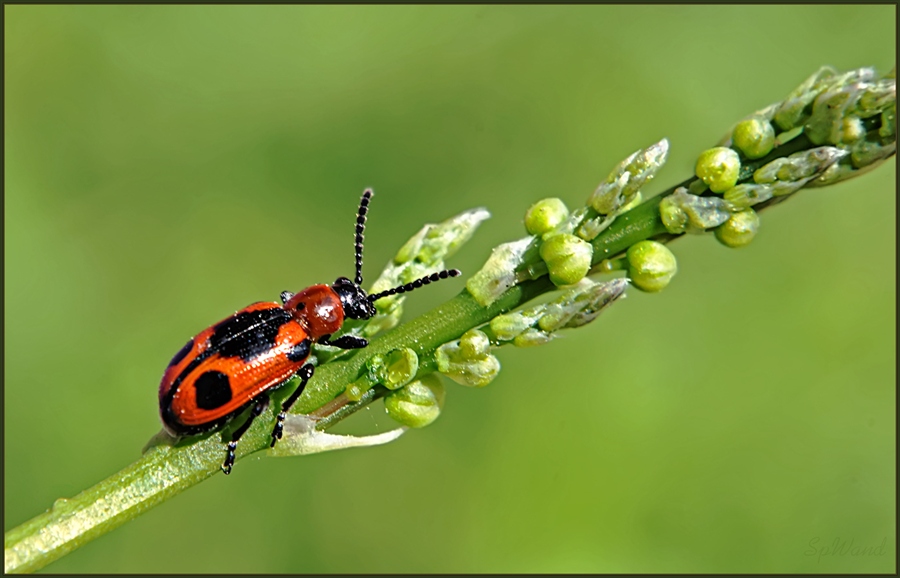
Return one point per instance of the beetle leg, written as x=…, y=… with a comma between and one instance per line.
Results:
x=286, y=296
x=345, y=341
x=258, y=408
x=305, y=373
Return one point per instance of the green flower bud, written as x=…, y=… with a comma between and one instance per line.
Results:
x=444, y=239
x=810, y=163
x=865, y=154
x=764, y=115
x=768, y=173
x=800, y=167
x=706, y=212
x=556, y=314
x=574, y=308
x=507, y=326
x=739, y=230
x=864, y=75
x=792, y=111
x=418, y=403
x=651, y=266
x=581, y=305
x=782, y=188
x=877, y=97
x=754, y=137
x=701, y=212
x=531, y=338
x=474, y=344
x=719, y=168
x=392, y=370
x=747, y=195
x=594, y=301
x=435, y=242
x=827, y=120
x=410, y=249
x=421, y=255
x=476, y=373
x=837, y=172
x=636, y=200
x=545, y=215
x=401, y=366
x=568, y=258
x=468, y=361
x=593, y=227
x=499, y=273
x=608, y=196
x=610, y=265
x=624, y=182
x=673, y=216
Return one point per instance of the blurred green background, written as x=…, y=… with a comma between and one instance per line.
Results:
x=167, y=165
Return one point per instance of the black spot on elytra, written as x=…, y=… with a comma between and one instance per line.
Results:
x=212, y=390
x=182, y=353
x=249, y=333
x=300, y=351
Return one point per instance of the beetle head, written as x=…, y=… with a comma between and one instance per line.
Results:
x=354, y=299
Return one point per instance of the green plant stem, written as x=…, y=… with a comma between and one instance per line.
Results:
x=166, y=470
x=160, y=474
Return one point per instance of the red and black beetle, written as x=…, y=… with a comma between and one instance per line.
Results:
x=235, y=364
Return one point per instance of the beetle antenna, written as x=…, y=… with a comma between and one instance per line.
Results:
x=415, y=284
x=360, y=229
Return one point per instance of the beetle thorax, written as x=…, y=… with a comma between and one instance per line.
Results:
x=318, y=309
